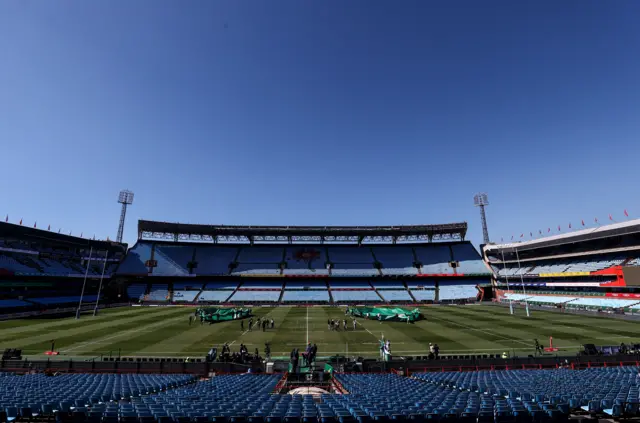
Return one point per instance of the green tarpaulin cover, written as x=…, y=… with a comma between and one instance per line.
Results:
x=214, y=314
x=383, y=313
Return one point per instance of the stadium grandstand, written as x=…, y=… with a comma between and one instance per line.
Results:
x=303, y=265
x=43, y=271
x=590, y=269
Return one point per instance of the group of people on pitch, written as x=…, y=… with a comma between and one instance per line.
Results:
x=261, y=322
x=335, y=324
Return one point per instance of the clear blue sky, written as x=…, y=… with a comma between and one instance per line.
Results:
x=321, y=113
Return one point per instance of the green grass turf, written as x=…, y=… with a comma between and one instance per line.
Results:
x=165, y=331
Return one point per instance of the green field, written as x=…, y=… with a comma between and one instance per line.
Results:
x=165, y=331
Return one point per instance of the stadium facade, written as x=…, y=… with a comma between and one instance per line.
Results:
x=207, y=264
x=596, y=268
x=229, y=265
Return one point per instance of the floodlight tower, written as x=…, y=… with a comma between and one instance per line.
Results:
x=481, y=200
x=125, y=198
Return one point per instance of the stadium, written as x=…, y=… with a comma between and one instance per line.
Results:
x=318, y=324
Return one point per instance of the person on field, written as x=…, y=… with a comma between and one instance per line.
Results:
x=273, y=323
x=241, y=325
x=250, y=324
x=190, y=320
x=355, y=324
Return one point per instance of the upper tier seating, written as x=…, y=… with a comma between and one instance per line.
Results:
x=158, y=292
x=458, y=291
x=134, y=262
x=305, y=261
x=306, y=296
x=256, y=269
x=172, y=260
x=136, y=291
x=557, y=266
x=469, y=261
x=355, y=296
x=259, y=254
x=11, y=264
x=434, y=258
x=351, y=255
x=219, y=296
x=184, y=296
x=214, y=260
x=256, y=296
x=395, y=295
x=396, y=260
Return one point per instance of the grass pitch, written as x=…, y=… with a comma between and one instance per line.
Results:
x=165, y=332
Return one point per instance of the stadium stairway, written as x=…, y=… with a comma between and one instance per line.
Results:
x=377, y=293
x=409, y=291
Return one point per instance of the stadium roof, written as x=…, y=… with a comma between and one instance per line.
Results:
x=10, y=230
x=263, y=234
x=590, y=234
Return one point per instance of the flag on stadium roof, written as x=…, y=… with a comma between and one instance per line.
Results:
x=569, y=225
x=558, y=228
x=582, y=222
x=625, y=213
x=35, y=224
x=531, y=234
x=610, y=218
x=596, y=220
x=540, y=231
x=6, y=219
x=521, y=235
x=49, y=227
x=81, y=234
x=21, y=221
x=548, y=230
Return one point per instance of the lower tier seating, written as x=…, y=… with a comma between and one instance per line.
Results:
x=306, y=296
x=395, y=295
x=256, y=296
x=219, y=296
